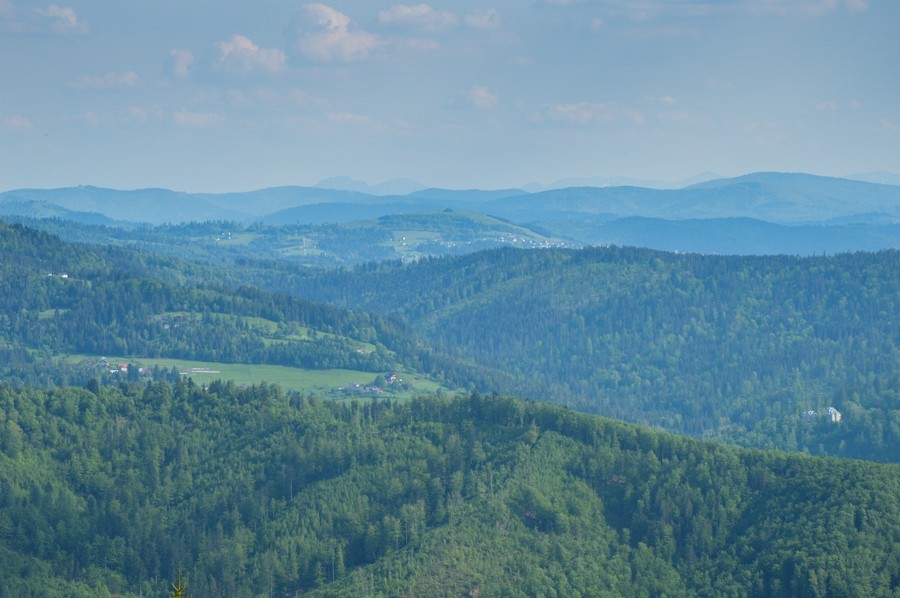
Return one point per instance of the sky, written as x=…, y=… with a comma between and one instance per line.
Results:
x=221, y=95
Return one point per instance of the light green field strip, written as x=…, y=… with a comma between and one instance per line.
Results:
x=286, y=377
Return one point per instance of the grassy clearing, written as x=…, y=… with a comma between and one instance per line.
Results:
x=321, y=381
x=234, y=239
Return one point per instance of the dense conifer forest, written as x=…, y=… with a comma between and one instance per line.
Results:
x=255, y=492
x=734, y=348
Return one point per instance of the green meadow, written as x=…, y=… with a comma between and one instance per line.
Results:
x=321, y=381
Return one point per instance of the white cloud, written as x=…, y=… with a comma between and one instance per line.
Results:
x=186, y=118
x=62, y=19
x=421, y=16
x=107, y=81
x=580, y=113
x=481, y=97
x=889, y=126
x=182, y=60
x=668, y=100
x=18, y=123
x=239, y=53
x=337, y=40
x=483, y=18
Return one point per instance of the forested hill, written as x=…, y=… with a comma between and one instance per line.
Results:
x=736, y=348
x=257, y=493
x=403, y=236
x=58, y=298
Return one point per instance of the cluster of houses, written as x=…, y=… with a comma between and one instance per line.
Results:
x=390, y=378
x=120, y=368
x=833, y=415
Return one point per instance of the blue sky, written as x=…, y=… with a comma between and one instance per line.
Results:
x=227, y=95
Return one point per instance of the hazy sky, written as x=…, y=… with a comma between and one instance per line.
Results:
x=219, y=95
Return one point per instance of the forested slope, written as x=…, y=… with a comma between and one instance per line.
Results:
x=257, y=493
x=404, y=236
x=729, y=347
x=58, y=298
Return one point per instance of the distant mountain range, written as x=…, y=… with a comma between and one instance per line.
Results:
x=735, y=236
x=774, y=197
x=619, y=181
x=810, y=213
